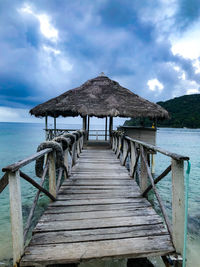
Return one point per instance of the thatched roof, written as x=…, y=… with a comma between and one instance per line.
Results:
x=99, y=97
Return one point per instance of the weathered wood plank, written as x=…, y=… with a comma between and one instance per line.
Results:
x=96, y=223
x=97, y=234
x=98, y=182
x=101, y=196
x=67, y=253
x=97, y=201
x=147, y=211
x=87, y=208
x=72, y=191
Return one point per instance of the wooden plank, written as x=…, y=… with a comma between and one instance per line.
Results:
x=68, y=253
x=147, y=211
x=102, y=187
x=98, y=196
x=97, y=234
x=15, y=166
x=72, y=191
x=97, y=201
x=96, y=223
x=87, y=208
x=99, y=182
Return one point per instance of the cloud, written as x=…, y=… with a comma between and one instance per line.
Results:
x=48, y=47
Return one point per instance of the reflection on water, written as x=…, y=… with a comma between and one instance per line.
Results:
x=18, y=140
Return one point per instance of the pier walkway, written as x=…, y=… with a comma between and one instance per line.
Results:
x=99, y=213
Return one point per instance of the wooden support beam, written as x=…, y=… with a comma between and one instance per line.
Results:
x=46, y=127
x=16, y=216
x=31, y=181
x=132, y=159
x=125, y=152
x=106, y=128
x=178, y=204
x=143, y=179
x=52, y=174
x=88, y=127
x=55, y=126
x=110, y=125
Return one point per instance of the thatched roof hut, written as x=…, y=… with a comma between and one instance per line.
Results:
x=99, y=97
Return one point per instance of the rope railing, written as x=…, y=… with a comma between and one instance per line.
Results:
x=54, y=160
x=139, y=154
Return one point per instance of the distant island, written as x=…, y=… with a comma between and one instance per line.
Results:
x=184, y=112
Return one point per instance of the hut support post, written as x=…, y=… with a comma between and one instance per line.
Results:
x=110, y=126
x=16, y=216
x=178, y=206
x=46, y=128
x=106, y=126
x=85, y=128
x=55, y=126
x=52, y=174
x=88, y=128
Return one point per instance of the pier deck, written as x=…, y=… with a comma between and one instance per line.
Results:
x=99, y=213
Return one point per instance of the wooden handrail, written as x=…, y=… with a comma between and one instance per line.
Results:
x=17, y=165
x=158, y=149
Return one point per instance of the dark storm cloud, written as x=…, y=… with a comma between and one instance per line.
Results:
x=188, y=12
x=128, y=40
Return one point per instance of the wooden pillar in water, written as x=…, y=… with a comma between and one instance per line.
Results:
x=106, y=126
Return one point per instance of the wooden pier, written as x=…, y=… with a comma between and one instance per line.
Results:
x=99, y=212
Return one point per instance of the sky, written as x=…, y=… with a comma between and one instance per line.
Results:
x=151, y=47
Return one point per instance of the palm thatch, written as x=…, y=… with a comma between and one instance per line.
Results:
x=99, y=97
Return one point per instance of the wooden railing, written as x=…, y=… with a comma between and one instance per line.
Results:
x=70, y=146
x=52, y=133
x=98, y=135
x=139, y=152
x=91, y=135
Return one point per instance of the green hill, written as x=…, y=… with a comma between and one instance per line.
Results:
x=184, y=112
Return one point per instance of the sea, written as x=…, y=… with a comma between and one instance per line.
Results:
x=19, y=140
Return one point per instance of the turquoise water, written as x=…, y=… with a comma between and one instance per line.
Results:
x=19, y=140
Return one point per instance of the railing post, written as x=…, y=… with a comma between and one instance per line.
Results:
x=143, y=177
x=66, y=163
x=78, y=147
x=125, y=152
x=52, y=174
x=74, y=153
x=132, y=159
x=16, y=216
x=178, y=204
x=153, y=163
x=119, y=146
